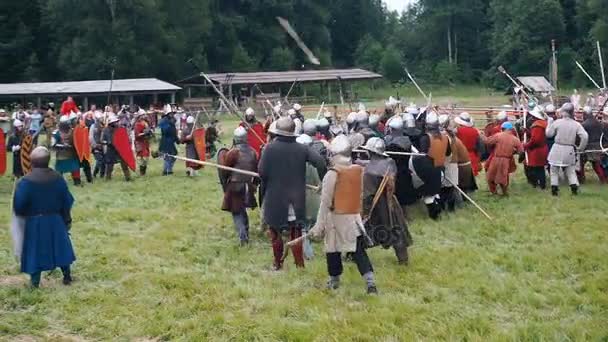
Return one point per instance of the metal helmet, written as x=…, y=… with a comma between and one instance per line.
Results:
x=284, y=127
x=395, y=122
x=190, y=120
x=376, y=145
x=587, y=110
x=374, y=119
x=444, y=120
x=531, y=104
x=240, y=135
x=304, y=139
x=327, y=114
x=309, y=127
x=409, y=120
x=351, y=117
x=432, y=118
x=291, y=112
x=340, y=145
x=550, y=109
x=537, y=112
x=567, y=110
x=323, y=123
x=297, y=107
x=249, y=112
x=502, y=115
x=362, y=117
x=412, y=109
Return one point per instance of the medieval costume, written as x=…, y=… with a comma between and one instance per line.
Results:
x=461, y=156
x=411, y=130
x=84, y=164
x=13, y=144
x=168, y=139
x=447, y=197
x=282, y=170
x=362, y=126
x=143, y=134
x=469, y=136
x=66, y=158
x=396, y=141
x=427, y=170
x=96, y=145
x=211, y=136
x=493, y=129
x=187, y=139
x=563, y=151
x=376, y=126
x=43, y=199
x=256, y=134
x=111, y=155
x=48, y=126
x=239, y=189
x=504, y=145
x=536, y=150
x=385, y=221
x=339, y=219
x=69, y=106
x=318, y=144
x=312, y=195
x=593, y=153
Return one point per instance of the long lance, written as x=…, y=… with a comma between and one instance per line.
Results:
x=290, y=89
x=233, y=110
x=464, y=194
x=320, y=110
x=599, y=55
x=395, y=153
x=416, y=84
x=587, y=74
x=227, y=168
x=517, y=84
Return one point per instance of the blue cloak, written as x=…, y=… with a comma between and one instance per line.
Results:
x=43, y=199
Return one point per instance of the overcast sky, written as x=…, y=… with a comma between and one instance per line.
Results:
x=398, y=5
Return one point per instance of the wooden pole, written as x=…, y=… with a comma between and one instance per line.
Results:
x=599, y=54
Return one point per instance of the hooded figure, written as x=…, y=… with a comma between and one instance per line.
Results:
x=339, y=217
x=385, y=221
x=44, y=200
x=282, y=170
x=239, y=189
x=563, y=152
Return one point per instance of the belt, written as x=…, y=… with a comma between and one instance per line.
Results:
x=556, y=143
x=464, y=164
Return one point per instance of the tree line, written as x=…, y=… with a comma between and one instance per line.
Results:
x=455, y=41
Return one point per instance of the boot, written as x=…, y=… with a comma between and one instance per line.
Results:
x=555, y=190
x=142, y=170
x=77, y=182
x=333, y=283
x=434, y=210
x=574, y=189
x=67, y=276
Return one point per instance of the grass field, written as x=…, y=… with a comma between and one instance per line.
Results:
x=158, y=260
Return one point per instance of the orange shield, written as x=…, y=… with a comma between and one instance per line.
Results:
x=81, y=142
x=199, y=143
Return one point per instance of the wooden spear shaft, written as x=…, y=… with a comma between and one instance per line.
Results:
x=227, y=168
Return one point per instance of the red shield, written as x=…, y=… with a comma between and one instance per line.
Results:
x=123, y=147
x=2, y=153
x=81, y=142
x=199, y=143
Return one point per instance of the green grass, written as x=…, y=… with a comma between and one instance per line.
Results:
x=157, y=259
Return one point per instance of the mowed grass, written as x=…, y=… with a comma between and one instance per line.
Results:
x=158, y=259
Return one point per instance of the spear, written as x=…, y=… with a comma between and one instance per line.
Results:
x=320, y=110
x=599, y=54
x=416, y=84
x=227, y=168
x=587, y=74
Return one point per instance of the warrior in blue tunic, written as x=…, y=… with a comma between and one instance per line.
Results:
x=42, y=198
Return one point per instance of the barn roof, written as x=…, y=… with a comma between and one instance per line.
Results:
x=132, y=86
x=242, y=78
x=536, y=83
